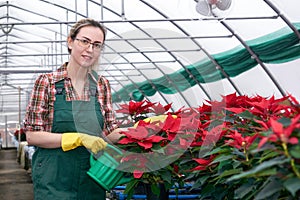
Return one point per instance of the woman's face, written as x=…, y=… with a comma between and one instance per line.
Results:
x=85, y=49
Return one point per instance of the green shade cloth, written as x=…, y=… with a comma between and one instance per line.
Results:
x=277, y=47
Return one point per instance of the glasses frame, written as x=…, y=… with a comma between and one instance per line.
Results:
x=96, y=46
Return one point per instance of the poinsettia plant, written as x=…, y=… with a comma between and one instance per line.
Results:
x=247, y=148
x=238, y=148
x=20, y=132
x=154, y=141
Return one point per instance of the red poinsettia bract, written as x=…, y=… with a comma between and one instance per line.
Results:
x=159, y=109
x=137, y=163
x=135, y=108
x=211, y=137
x=240, y=142
x=203, y=163
x=140, y=136
x=281, y=133
x=265, y=108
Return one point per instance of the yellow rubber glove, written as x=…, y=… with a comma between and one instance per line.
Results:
x=158, y=118
x=70, y=141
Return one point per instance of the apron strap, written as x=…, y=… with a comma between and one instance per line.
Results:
x=93, y=84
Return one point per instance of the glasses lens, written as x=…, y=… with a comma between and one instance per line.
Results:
x=97, y=46
x=85, y=43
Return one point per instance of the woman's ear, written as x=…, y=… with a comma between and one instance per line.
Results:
x=70, y=42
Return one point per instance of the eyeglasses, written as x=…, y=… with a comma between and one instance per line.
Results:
x=86, y=44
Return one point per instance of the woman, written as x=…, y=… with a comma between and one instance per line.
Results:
x=68, y=117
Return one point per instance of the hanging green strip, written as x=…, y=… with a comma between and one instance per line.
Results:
x=278, y=47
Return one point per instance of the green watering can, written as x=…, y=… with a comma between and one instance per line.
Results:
x=104, y=170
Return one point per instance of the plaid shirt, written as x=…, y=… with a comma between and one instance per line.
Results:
x=40, y=110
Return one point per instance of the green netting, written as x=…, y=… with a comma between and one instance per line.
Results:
x=278, y=47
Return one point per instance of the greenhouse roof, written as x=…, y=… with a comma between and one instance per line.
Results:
x=169, y=51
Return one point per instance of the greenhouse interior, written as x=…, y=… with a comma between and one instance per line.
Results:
x=203, y=96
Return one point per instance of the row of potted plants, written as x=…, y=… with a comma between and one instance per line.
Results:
x=238, y=148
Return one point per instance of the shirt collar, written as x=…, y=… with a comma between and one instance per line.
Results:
x=62, y=73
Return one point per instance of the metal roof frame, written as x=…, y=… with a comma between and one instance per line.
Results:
x=55, y=53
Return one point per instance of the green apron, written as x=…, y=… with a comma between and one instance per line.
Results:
x=59, y=175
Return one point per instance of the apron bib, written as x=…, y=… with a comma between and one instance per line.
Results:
x=62, y=175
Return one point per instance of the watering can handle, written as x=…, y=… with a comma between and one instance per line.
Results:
x=93, y=160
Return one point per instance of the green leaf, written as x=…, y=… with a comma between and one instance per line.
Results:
x=259, y=168
x=285, y=121
x=220, y=178
x=197, y=184
x=218, y=150
x=155, y=189
x=166, y=176
x=268, y=154
x=292, y=185
x=245, y=115
x=200, y=181
x=266, y=148
x=129, y=190
x=243, y=190
x=221, y=158
x=269, y=189
x=230, y=172
x=229, y=119
x=158, y=150
x=207, y=191
x=267, y=172
x=295, y=151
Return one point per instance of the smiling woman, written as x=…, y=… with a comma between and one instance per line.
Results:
x=75, y=120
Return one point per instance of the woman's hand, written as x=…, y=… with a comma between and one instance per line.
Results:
x=116, y=134
x=71, y=141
